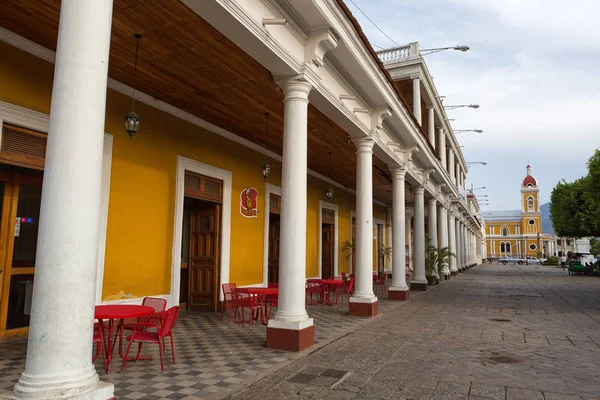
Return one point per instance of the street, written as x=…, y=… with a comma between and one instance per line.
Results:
x=494, y=332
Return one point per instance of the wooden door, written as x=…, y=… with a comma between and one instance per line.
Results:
x=381, y=245
x=326, y=251
x=18, y=244
x=274, y=231
x=204, y=258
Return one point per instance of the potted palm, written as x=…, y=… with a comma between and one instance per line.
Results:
x=436, y=260
x=431, y=262
x=349, y=248
x=384, y=252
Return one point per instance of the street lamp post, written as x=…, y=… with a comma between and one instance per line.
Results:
x=462, y=49
x=467, y=130
x=474, y=106
x=476, y=162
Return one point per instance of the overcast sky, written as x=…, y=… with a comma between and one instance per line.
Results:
x=534, y=67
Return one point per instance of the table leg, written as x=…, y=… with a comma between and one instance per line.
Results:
x=109, y=348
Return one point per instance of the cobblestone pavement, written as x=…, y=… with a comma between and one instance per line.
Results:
x=494, y=332
x=213, y=358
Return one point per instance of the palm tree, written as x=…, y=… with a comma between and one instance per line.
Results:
x=436, y=259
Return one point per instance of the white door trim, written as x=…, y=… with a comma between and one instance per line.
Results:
x=26, y=118
x=274, y=189
x=334, y=208
x=188, y=164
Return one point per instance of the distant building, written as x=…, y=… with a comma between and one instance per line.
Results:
x=519, y=232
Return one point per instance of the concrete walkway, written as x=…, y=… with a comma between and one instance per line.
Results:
x=494, y=332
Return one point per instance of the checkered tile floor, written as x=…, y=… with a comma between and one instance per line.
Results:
x=212, y=357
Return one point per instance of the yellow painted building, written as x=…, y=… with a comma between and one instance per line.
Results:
x=516, y=232
x=175, y=178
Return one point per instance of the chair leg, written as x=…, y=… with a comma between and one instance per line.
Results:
x=95, y=357
x=127, y=353
x=103, y=352
x=139, y=350
x=172, y=347
x=160, y=351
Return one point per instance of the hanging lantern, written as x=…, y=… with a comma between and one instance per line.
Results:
x=132, y=121
x=266, y=169
x=329, y=192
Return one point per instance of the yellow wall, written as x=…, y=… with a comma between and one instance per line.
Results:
x=142, y=193
x=525, y=196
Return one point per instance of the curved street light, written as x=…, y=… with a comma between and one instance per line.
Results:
x=476, y=162
x=462, y=49
x=467, y=130
x=474, y=106
x=483, y=187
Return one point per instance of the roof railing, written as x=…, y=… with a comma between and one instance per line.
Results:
x=399, y=53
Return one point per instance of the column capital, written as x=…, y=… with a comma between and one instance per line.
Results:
x=363, y=145
x=419, y=189
x=399, y=173
x=414, y=77
x=432, y=201
x=429, y=107
x=295, y=88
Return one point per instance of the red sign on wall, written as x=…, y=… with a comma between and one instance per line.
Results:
x=249, y=202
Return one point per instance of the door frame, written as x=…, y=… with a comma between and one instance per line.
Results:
x=334, y=208
x=276, y=190
x=188, y=164
x=26, y=118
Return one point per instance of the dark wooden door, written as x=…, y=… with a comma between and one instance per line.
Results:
x=204, y=258
x=273, y=269
x=381, y=245
x=326, y=251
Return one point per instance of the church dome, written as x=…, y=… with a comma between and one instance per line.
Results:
x=529, y=179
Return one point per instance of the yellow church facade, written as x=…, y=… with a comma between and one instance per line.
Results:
x=517, y=232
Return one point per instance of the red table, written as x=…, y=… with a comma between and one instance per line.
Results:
x=327, y=285
x=119, y=312
x=264, y=292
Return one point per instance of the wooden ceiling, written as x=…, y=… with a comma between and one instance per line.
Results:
x=187, y=63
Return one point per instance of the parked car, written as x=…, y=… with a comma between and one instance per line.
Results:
x=534, y=260
x=512, y=260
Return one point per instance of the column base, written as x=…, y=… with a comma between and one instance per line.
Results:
x=447, y=277
x=290, y=336
x=418, y=286
x=399, y=295
x=454, y=273
x=363, y=307
x=102, y=391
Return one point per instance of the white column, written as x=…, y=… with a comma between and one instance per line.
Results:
x=409, y=239
x=443, y=233
x=59, y=349
x=389, y=235
x=432, y=223
x=442, y=150
x=451, y=166
x=399, y=234
x=363, y=292
x=291, y=312
x=458, y=243
x=419, y=281
x=431, y=125
x=464, y=245
x=452, y=242
x=417, y=98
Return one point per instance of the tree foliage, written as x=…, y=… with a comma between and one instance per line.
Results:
x=575, y=206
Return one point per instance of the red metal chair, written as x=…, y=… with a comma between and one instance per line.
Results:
x=99, y=340
x=159, y=305
x=345, y=289
x=344, y=277
x=272, y=300
x=143, y=333
x=350, y=288
x=245, y=300
x=228, y=297
x=380, y=283
x=313, y=288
